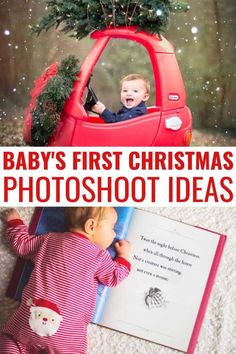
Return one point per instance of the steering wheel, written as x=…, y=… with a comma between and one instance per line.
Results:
x=91, y=98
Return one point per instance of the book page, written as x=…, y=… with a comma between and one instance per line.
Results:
x=160, y=299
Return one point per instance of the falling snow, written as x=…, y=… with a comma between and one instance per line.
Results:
x=158, y=12
x=194, y=30
x=7, y=32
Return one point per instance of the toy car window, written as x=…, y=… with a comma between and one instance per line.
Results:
x=120, y=58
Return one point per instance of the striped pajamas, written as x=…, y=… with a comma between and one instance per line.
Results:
x=9, y=345
x=59, y=300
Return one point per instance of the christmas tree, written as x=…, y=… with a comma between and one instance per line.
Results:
x=81, y=17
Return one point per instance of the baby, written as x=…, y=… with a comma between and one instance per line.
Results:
x=59, y=300
x=135, y=91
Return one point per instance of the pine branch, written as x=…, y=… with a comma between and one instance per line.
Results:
x=113, y=12
x=126, y=15
x=133, y=12
x=104, y=12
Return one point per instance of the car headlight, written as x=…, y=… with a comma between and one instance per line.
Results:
x=173, y=123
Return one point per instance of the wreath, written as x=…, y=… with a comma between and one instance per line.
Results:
x=51, y=99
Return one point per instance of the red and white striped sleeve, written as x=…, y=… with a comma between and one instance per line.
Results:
x=112, y=272
x=23, y=244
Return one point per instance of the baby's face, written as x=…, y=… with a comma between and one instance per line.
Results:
x=104, y=231
x=133, y=93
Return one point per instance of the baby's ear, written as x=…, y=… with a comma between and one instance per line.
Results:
x=146, y=97
x=90, y=226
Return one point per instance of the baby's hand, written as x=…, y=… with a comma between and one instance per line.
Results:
x=98, y=107
x=9, y=214
x=123, y=248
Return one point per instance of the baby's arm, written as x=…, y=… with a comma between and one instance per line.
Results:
x=112, y=272
x=98, y=108
x=18, y=236
x=120, y=116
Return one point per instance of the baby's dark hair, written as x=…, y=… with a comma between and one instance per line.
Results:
x=75, y=218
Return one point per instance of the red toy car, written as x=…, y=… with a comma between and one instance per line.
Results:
x=168, y=123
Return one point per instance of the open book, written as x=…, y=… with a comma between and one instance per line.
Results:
x=165, y=296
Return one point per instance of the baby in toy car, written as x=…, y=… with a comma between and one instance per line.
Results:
x=135, y=91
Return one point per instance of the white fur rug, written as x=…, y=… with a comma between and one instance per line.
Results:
x=218, y=333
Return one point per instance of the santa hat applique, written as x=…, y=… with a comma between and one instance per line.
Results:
x=45, y=317
x=44, y=303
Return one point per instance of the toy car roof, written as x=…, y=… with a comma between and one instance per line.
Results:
x=150, y=41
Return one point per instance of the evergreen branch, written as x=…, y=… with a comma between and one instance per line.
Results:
x=103, y=9
x=133, y=12
x=179, y=7
x=113, y=11
x=127, y=12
